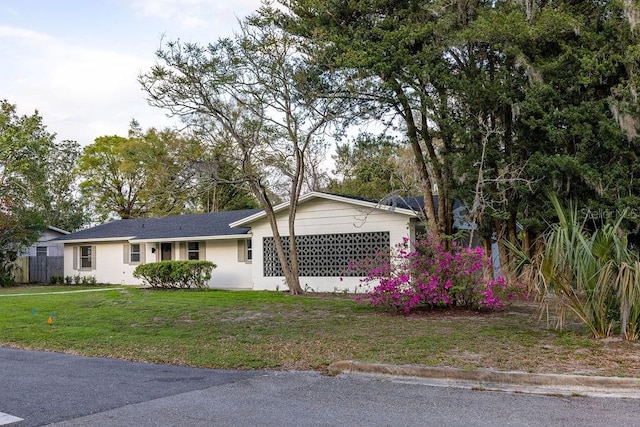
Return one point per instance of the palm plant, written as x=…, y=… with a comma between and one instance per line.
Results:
x=593, y=274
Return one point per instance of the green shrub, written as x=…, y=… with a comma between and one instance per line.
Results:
x=592, y=272
x=56, y=280
x=88, y=280
x=175, y=274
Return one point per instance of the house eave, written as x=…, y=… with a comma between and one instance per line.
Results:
x=190, y=239
x=362, y=203
x=99, y=240
x=59, y=230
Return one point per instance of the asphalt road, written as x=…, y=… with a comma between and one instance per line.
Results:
x=65, y=390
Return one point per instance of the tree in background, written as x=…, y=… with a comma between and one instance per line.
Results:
x=220, y=186
x=401, y=60
x=61, y=205
x=550, y=117
x=257, y=103
x=168, y=160
x=371, y=167
x=24, y=147
x=147, y=174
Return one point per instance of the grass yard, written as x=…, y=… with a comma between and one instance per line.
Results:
x=251, y=330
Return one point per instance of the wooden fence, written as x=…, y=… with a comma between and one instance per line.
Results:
x=39, y=269
x=21, y=270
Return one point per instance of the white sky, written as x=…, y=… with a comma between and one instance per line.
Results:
x=77, y=61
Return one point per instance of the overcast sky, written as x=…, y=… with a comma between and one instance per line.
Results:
x=77, y=61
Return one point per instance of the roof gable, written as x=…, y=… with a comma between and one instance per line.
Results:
x=404, y=209
x=57, y=230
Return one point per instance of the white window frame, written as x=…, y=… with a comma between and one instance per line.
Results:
x=193, y=252
x=245, y=251
x=85, y=260
x=135, y=255
x=40, y=249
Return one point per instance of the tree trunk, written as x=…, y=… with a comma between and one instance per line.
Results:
x=292, y=280
x=624, y=317
x=296, y=188
x=503, y=253
x=488, y=250
x=414, y=140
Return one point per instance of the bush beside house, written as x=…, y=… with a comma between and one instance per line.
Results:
x=175, y=274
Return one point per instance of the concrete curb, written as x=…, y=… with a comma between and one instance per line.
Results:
x=489, y=379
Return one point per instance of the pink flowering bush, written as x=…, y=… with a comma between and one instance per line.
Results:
x=430, y=276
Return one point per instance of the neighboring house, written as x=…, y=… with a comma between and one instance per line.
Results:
x=332, y=232
x=42, y=260
x=46, y=245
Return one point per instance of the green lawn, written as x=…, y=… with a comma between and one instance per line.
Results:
x=252, y=329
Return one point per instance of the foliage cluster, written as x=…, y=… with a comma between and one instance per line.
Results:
x=431, y=276
x=175, y=274
x=373, y=167
x=499, y=101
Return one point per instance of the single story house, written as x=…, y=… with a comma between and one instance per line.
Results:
x=332, y=231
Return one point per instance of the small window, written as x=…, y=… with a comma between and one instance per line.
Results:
x=245, y=251
x=85, y=257
x=193, y=250
x=41, y=251
x=134, y=253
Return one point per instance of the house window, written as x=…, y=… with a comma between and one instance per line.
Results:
x=134, y=253
x=193, y=250
x=41, y=251
x=245, y=251
x=86, y=257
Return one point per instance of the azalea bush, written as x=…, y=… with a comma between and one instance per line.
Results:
x=428, y=275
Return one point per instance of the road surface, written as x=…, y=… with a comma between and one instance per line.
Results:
x=64, y=390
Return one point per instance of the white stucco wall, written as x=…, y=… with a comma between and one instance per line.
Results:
x=110, y=267
x=321, y=216
x=229, y=273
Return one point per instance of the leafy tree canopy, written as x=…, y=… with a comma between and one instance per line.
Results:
x=24, y=147
x=372, y=167
x=146, y=174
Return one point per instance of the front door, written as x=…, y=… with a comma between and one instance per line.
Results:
x=165, y=251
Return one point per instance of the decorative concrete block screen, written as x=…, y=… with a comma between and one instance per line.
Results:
x=327, y=255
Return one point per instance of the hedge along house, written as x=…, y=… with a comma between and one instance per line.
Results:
x=111, y=251
x=332, y=232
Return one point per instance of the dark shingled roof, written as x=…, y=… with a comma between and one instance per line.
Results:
x=194, y=225
x=414, y=203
